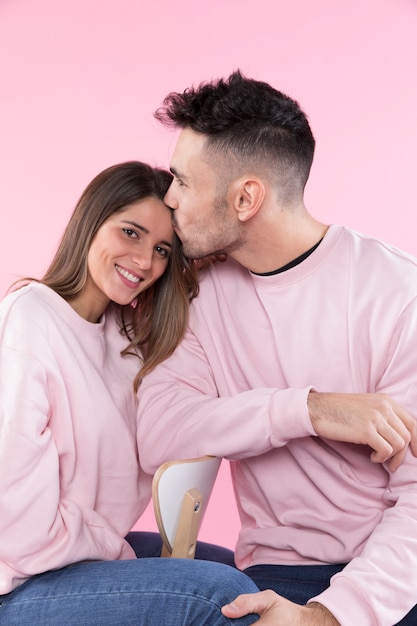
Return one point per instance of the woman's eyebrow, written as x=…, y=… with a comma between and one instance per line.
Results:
x=144, y=230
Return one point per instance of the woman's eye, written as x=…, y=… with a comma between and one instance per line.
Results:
x=180, y=182
x=130, y=233
x=163, y=252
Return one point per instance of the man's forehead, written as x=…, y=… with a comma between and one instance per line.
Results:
x=189, y=142
x=188, y=152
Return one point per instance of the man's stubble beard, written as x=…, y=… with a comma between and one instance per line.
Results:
x=228, y=237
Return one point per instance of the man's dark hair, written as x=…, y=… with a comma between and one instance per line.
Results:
x=245, y=118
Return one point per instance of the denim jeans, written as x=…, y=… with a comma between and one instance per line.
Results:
x=299, y=583
x=142, y=592
x=148, y=545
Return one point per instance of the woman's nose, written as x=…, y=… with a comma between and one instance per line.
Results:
x=143, y=259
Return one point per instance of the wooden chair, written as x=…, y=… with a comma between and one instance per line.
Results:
x=180, y=494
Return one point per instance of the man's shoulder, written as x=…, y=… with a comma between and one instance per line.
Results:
x=380, y=269
x=384, y=252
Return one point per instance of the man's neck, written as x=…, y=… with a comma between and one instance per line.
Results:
x=278, y=243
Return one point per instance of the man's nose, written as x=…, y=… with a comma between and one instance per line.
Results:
x=170, y=198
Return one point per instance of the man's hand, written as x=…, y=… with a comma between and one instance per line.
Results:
x=274, y=610
x=372, y=419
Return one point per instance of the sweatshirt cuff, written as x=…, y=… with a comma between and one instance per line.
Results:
x=347, y=603
x=289, y=415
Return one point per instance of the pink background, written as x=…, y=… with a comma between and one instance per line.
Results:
x=79, y=80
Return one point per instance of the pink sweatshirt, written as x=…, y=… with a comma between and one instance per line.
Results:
x=344, y=320
x=70, y=483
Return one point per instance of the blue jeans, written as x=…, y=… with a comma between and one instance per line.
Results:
x=148, y=545
x=142, y=592
x=299, y=583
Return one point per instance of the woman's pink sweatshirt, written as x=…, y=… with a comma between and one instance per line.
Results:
x=70, y=483
x=344, y=320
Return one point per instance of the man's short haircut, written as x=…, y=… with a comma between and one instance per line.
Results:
x=248, y=120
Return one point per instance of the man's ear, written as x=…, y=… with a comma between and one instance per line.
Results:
x=248, y=197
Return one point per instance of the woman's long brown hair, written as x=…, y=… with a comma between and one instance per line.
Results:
x=157, y=324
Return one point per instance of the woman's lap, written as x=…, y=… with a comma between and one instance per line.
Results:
x=143, y=591
x=135, y=592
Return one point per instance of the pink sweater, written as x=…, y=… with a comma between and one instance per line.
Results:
x=70, y=484
x=344, y=320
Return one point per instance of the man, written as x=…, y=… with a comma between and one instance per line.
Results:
x=296, y=345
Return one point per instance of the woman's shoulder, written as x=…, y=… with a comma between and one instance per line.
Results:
x=21, y=309
x=26, y=299
x=17, y=299
x=30, y=311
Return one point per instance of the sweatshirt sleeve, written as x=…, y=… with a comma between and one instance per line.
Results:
x=39, y=530
x=183, y=415
x=379, y=585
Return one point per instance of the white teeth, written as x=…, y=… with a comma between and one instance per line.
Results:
x=128, y=275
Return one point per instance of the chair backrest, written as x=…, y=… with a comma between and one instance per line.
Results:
x=180, y=493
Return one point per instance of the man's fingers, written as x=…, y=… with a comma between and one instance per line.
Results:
x=406, y=425
x=397, y=459
x=413, y=445
x=411, y=425
x=250, y=603
x=373, y=419
x=391, y=442
x=242, y=605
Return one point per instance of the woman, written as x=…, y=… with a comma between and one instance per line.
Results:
x=113, y=301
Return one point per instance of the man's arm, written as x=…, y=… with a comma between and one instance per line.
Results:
x=181, y=396
x=374, y=419
x=274, y=610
